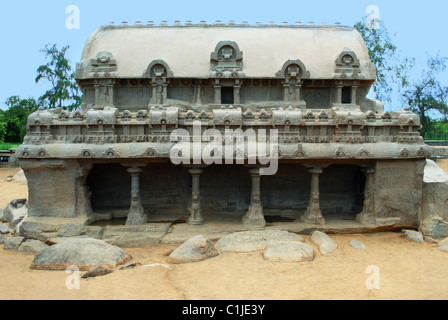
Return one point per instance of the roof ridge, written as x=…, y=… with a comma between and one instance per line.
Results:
x=231, y=23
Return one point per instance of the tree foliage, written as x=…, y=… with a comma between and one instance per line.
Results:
x=13, y=120
x=64, y=91
x=426, y=96
x=392, y=71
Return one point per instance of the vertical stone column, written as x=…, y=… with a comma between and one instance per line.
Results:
x=254, y=216
x=313, y=215
x=164, y=91
x=354, y=93
x=339, y=86
x=366, y=217
x=217, y=87
x=97, y=92
x=236, y=94
x=110, y=91
x=136, y=214
x=196, y=217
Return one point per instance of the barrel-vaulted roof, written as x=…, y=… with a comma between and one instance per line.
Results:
x=187, y=49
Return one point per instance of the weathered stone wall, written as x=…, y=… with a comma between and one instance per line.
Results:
x=398, y=190
x=56, y=188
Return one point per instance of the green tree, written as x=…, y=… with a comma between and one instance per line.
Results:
x=2, y=126
x=392, y=71
x=13, y=120
x=64, y=91
x=427, y=96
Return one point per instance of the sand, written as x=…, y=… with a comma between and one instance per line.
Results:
x=407, y=270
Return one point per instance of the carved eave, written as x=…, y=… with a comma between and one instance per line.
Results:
x=287, y=72
x=347, y=66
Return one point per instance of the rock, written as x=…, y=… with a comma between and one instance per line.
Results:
x=288, y=252
x=433, y=226
x=443, y=245
x=430, y=240
x=13, y=243
x=97, y=272
x=413, y=235
x=32, y=246
x=84, y=253
x=435, y=191
x=2, y=240
x=71, y=230
x=248, y=241
x=4, y=229
x=1, y=214
x=195, y=249
x=325, y=243
x=19, y=177
x=15, y=211
x=357, y=244
x=130, y=265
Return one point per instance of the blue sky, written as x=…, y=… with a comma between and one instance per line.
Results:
x=419, y=28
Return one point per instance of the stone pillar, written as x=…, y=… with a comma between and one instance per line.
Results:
x=254, y=216
x=236, y=94
x=136, y=214
x=366, y=217
x=97, y=92
x=196, y=217
x=313, y=215
x=110, y=91
x=217, y=94
x=354, y=93
x=164, y=92
x=339, y=92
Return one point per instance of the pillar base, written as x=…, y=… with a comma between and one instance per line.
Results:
x=136, y=217
x=313, y=215
x=196, y=217
x=254, y=216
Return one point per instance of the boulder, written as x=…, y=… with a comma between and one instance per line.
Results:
x=19, y=177
x=435, y=191
x=97, y=272
x=15, y=211
x=85, y=253
x=13, y=243
x=71, y=230
x=413, y=235
x=357, y=244
x=288, y=252
x=443, y=245
x=195, y=249
x=248, y=241
x=4, y=229
x=433, y=226
x=32, y=246
x=325, y=243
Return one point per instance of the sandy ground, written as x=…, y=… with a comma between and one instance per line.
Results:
x=405, y=270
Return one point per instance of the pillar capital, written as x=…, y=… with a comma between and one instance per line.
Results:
x=315, y=170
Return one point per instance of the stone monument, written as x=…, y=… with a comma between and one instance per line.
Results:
x=169, y=112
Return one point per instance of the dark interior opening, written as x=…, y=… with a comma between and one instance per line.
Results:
x=342, y=191
x=227, y=95
x=164, y=191
x=109, y=185
x=347, y=95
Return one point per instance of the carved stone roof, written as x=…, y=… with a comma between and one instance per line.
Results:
x=187, y=49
